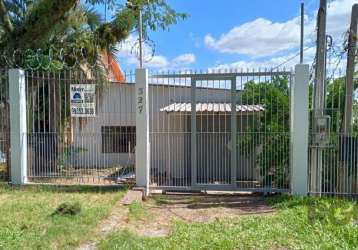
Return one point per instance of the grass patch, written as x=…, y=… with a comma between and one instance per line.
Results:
x=28, y=221
x=295, y=225
x=137, y=211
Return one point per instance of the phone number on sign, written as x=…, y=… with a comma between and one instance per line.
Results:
x=83, y=111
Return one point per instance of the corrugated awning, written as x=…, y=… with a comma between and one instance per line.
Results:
x=211, y=107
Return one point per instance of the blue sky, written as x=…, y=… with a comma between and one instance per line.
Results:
x=237, y=34
x=216, y=18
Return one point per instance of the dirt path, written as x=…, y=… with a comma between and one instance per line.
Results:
x=118, y=217
x=154, y=217
x=162, y=210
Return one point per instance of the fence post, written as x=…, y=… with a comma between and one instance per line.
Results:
x=18, y=129
x=142, y=154
x=299, y=130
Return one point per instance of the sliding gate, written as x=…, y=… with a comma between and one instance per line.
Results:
x=235, y=138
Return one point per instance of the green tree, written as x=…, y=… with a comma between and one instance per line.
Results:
x=57, y=27
x=47, y=35
x=267, y=136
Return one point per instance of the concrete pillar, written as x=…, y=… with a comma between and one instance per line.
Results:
x=299, y=130
x=142, y=154
x=18, y=132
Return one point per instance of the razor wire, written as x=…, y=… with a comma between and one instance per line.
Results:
x=70, y=57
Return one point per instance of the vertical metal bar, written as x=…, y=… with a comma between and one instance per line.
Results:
x=241, y=133
x=193, y=132
x=140, y=26
x=233, y=132
x=302, y=31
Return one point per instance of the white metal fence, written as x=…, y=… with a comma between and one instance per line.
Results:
x=334, y=152
x=214, y=146
x=211, y=146
x=67, y=149
x=4, y=125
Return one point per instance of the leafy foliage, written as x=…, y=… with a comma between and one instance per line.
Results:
x=269, y=130
x=68, y=208
x=47, y=35
x=333, y=212
x=68, y=31
x=335, y=101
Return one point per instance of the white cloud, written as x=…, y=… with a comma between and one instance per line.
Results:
x=157, y=62
x=338, y=17
x=335, y=67
x=184, y=59
x=263, y=37
x=128, y=51
x=288, y=61
x=258, y=38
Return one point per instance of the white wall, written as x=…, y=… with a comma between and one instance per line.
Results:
x=115, y=107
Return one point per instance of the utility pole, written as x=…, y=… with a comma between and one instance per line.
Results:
x=319, y=98
x=352, y=46
x=343, y=181
x=140, y=38
x=302, y=31
x=138, y=7
x=320, y=83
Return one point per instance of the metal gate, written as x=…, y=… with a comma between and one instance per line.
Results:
x=214, y=146
x=4, y=126
x=208, y=131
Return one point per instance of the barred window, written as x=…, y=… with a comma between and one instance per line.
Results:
x=118, y=139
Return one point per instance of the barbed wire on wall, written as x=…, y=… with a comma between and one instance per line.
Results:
x=70, y=57
x=35, y=59
x=133, y=48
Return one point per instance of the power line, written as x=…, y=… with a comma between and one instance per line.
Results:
x=290, y=59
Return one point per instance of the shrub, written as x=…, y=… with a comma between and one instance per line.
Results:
x=68, y=208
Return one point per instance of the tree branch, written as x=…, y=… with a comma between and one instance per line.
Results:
x=39, y=23
x=109, y=34
x=5, y=18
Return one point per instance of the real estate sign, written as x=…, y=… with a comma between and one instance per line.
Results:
x=83, y=100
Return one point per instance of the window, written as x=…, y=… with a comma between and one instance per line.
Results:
x=118, y=139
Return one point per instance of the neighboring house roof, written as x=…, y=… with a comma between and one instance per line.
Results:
x=211, y=107
x=113, y=68
x=109, y=63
